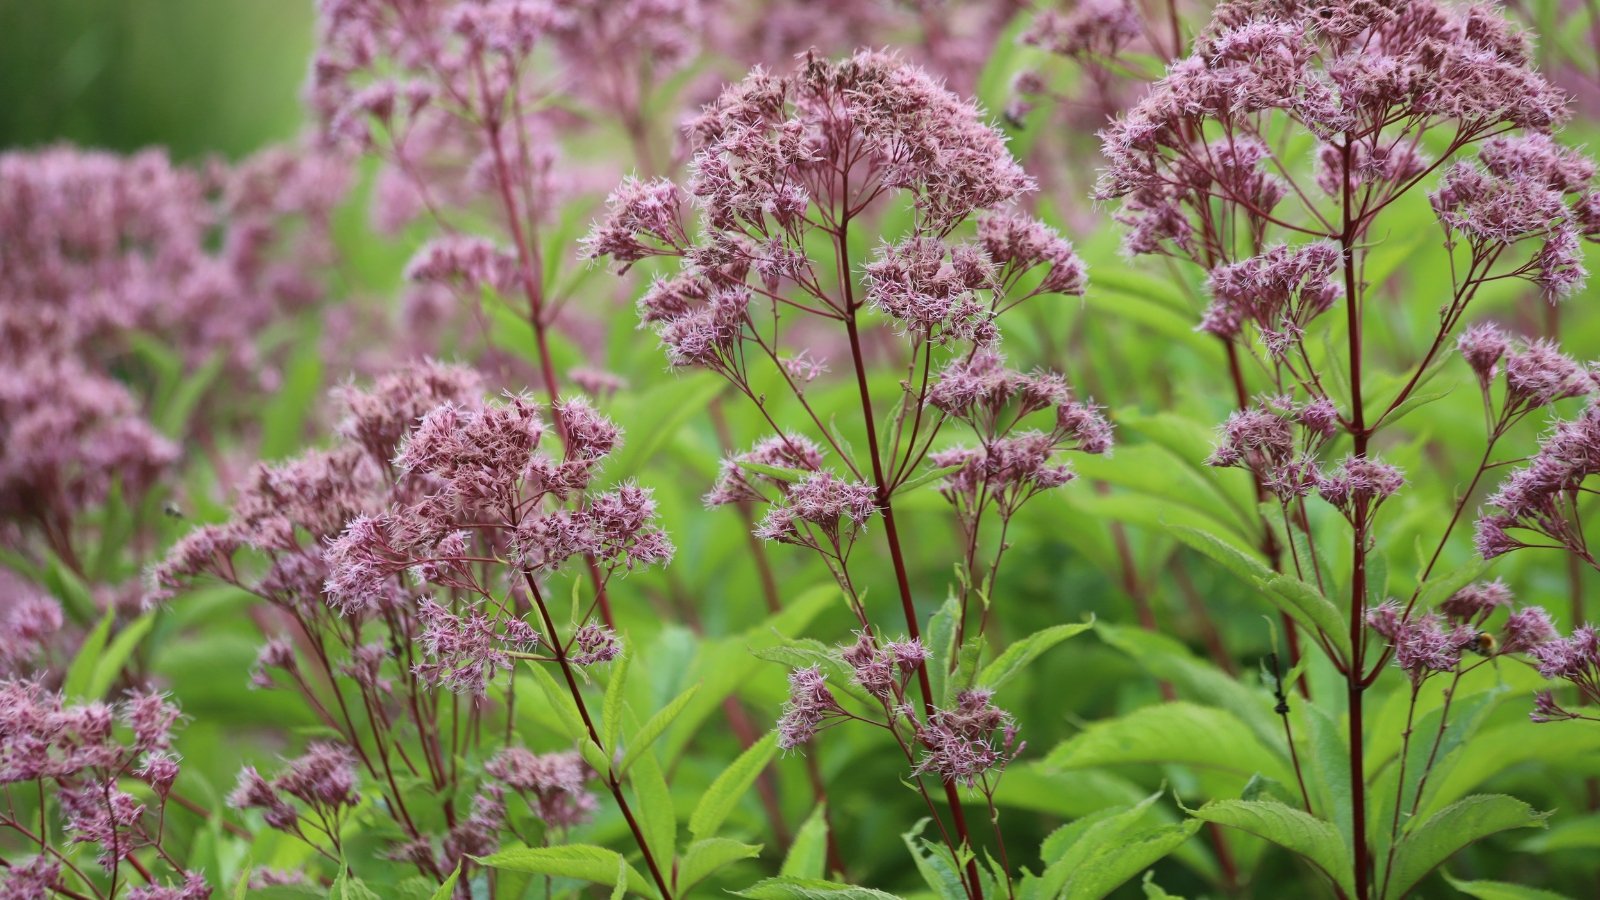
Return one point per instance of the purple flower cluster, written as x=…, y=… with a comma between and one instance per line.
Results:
x=1542, y=497
x=1431, y=642
x=820, y=510
x=1094, y=28
x=742, y=480
x=1011, y=464
x=406, y=557
x=1525, y=188
x=323, y=780
x=1574, y=659
x=810, y=704
x=967, y=742
x=1423, y=643
x=97, y=247
x=1367, y=79
x=553, y=784
x=962, y=744
x=764, y=178
x=80, y=754
x=884, y=671
x=1278, y=292
x=1537, y=373
x=1278, y=442
x=464, y=651
x=30, y=625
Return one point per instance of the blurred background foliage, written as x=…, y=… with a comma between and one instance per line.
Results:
x=198, y=77
x=204, y=77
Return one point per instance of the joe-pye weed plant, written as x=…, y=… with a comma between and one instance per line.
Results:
x=1274, y=158
x=793, y=179
x=475, y=674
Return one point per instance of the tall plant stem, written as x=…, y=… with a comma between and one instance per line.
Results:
x=530, y=268
x=902, y=579
x=1269, y=541
x=774, y=601
x=565, y=664
x=1354, y=667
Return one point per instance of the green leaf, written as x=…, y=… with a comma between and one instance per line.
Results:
x=1093, y=855
x=931, y=475
x=1416, y=401
x=1431, y=843
x=1167, y=659
x=1316, y=841
x=1580, y=833
x=241, y=886
x=1304, y=603
x=1243, y=565
x=939, y=871
x=560, y=700
x=1111, y=864
x=1177, y=732
x=621, y=889
x=657, y=818
x=808, y=854
x=1500, y=890
x=82, y=671
x=283, y=419
x=731, y=664
x=594, y=756
x=447, y=890
x=942, y=645
x=656, y=415
x=66, y=586
x=645, y=736
x=611, y=713
x=583, y=861
x=349, y=887
x=116, y=655
x=174, y=411
x=734, y=782
x=1017, y=656
x=1439, y=588
x=789, y=888
x=706, y=857
x=1153, y=891
x=778, y=472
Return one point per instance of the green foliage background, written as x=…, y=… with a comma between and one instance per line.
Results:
x=223, y=76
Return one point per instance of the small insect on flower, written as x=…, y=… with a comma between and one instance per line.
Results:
x=172, y=510
x=1484, y=644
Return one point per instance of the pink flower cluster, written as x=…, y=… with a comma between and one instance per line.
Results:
x=553, y=784
x=1011, y=463
x=1541, y=498
x=1278, y=292
x=97, y=247
x=1574, y=659
x=963, y=743
x=1434, y=641
x=1368, y=80
x=323, y=780
x=80, y=754
x=1526, y=188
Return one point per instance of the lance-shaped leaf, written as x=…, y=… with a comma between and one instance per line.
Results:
x=790, y=888
x=1314, y=840
x=706, y=857
x=1429, y=844
x=1179, y=732
x=1299, y=600
x=734, y=782
x=582, y=861
x=1016, y=657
